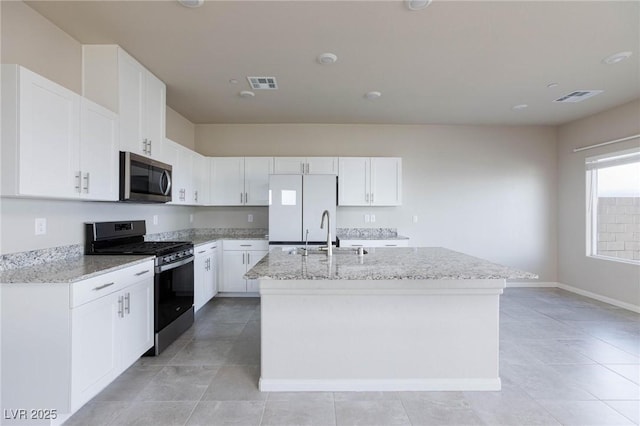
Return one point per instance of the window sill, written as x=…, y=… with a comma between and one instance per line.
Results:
x=614, y=259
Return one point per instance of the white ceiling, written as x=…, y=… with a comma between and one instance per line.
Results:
x=455, y=62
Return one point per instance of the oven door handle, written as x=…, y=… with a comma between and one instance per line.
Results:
x=174, y=265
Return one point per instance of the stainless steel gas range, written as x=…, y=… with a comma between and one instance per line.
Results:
x=173, y=293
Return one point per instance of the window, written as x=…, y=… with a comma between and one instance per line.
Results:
x=613, y=206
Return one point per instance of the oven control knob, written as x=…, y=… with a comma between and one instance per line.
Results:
x=166, y=259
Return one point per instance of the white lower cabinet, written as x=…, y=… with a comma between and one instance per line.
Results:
x=238, y=257
x=63, y=343
x=205, y=274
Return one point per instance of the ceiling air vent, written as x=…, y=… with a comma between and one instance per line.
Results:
x=578, y=96
x=263, y=83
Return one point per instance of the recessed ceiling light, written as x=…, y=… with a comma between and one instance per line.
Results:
x=519, y=107
x=233, y=81
x=191, y=3
x=246, y=94
x=417, y=4
x=327, y=58
x=552, y=85
x=372, y=95
x=615, y=58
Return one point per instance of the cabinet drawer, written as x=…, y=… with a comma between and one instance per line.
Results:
x=203, y=248
x=102, y=285
x=246, y=245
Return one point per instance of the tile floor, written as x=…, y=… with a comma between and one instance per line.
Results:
x=565, y=360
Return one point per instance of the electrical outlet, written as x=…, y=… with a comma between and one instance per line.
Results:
x=415, y=219
x=249, y=218
x=155, y=219
x=41, y=226
x=191, y=218
x=367, y=218
x=373, y=218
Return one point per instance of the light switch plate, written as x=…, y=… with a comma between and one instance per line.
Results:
x=373, y=218
x=191, y=218
x=41, y=226
x=155, y=219
x=415, y=219
x=249, y=218
x=367, y=218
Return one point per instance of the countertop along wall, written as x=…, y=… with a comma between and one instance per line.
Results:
x=489, y=191
x=607, y=279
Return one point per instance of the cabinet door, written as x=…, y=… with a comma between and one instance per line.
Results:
x=322, y=166
x=353, y=181
x=386, y=182
x=183, y=176
x=289, y=165
x=94, y=348
x=209, y=280
x=136, y=325
x=199, y=277
x=256, y=180
x=98, y=152
x=154, y=114
x=254, y=257
x=214, y=271
x=234, y=268
x=227, y=181
x=49, y=159
x=200, y=189
x=131, y=101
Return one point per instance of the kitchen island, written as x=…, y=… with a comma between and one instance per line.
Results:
x=394, y=319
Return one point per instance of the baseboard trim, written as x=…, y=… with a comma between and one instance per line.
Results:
x=605, y=299
x=384, y=385
x=522, y=284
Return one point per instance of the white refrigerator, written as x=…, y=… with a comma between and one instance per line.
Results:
x=296, y=204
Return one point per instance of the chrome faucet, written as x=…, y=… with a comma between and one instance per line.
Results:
x=326, y=213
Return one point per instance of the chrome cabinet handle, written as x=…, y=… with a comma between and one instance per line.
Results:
x=246, y=245
x=307, y=168
x=243, y=258
x=150, y=146
x=196, y=196
x=127, y=303
x=120, y=307
x=246, y=198
x=372, y=198
x=78, y=180
x=100, y=287
x=391, y=245
x=248, y=258
x=302, y=168
x=142, y=273
x=144, y=146
x=86, y=186
x=366, y=197
x=241, y=198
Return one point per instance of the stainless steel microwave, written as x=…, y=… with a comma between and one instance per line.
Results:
x=144, y=180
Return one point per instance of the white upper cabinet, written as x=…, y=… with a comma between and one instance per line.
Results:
x=98, y=152
x=200, y=187
x=117, y=81
x=375, y=181
x=240, y=181
x=306, y=165
x=54, y=143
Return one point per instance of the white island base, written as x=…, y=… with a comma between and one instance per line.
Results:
x=380, y=335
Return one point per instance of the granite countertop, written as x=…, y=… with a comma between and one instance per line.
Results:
x=204, y=239
x=415, y=263
x=70, y=270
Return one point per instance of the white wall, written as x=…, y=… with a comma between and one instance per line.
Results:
x=65, y=220
x=485, y=190
x=615, y=280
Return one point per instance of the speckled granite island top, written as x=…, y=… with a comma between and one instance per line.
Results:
x=415, y=263
x=70, y=270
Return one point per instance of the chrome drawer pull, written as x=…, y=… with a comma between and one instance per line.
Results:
x=246, y=245
x=142, y=273
x=103, y=286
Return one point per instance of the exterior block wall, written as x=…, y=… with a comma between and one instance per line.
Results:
x=618, y=227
